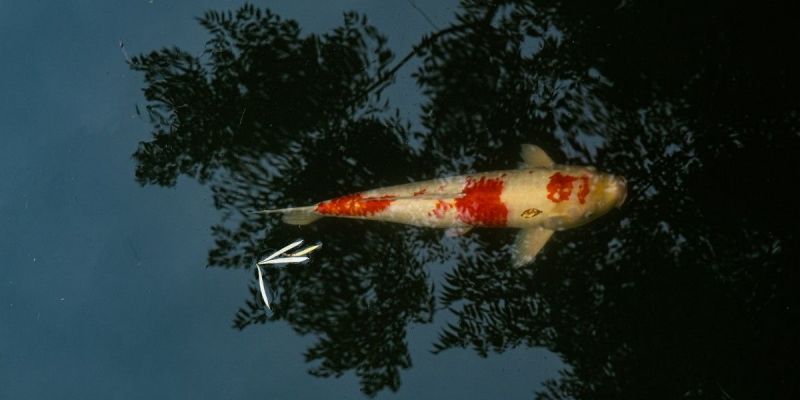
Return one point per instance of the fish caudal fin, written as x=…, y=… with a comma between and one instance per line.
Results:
x=295, y=215
x=300, y=216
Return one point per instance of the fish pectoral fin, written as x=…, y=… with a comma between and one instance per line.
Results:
x=528, y=244
x=534, y=157
x=457, y=231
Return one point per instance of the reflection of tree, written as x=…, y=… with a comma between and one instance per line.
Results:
x=679, y=301
x=270, y=117
x=687, y=292
x=360, y=310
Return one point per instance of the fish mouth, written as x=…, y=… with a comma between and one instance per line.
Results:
x=622, y=190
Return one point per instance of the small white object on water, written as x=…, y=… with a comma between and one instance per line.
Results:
x=283, y=250
x=284, y=260
x=261, y=285
x=307, y=250
x=289, y=259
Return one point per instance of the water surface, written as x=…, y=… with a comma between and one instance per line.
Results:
x=133, y=276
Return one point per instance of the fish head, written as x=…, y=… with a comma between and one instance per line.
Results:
x=607, y=191
x=615, y=190
x=581, y=195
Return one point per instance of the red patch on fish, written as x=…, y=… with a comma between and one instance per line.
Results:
x=441, y=209
x=420, y=192
x=560, y=187
x=584, y=189
x=481, y=204
x=355, y=205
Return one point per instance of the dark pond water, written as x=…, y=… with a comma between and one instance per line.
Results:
x=138, y=138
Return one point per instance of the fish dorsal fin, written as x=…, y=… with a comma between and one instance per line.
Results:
x=533, y=156
x=529, y=242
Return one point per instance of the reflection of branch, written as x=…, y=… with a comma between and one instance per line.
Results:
x=414, y=5
x=427, y=42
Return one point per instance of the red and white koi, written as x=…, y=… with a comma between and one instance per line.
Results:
x=538, y=199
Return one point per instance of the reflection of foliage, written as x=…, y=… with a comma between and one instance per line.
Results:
x=261, y=85
x=264, y=114
x=683, y=293
x=664, y=310
x=360, y=310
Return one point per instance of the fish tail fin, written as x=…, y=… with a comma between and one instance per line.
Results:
x=295, y=215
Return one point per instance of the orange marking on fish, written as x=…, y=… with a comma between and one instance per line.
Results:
x=481, y=204
x=420, y=192
x=355, y=205
x=584, y=189
x=560, y=187
x=441, y=209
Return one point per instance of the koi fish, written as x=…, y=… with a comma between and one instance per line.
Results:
x=538, y=199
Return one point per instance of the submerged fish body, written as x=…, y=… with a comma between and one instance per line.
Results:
x=538, y=199
x=556, y=198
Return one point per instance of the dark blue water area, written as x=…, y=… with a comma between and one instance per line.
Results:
x=138, y=138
